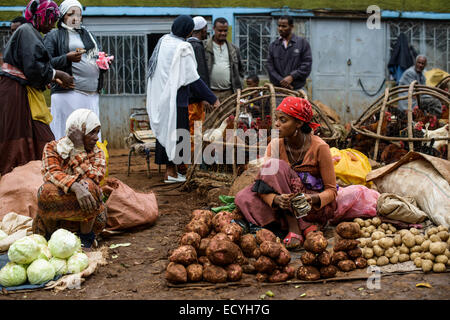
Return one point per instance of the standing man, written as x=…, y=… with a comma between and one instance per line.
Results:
x=289, y=60
x=224, y=62
x=17, y=22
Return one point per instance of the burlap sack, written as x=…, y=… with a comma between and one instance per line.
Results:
x=395, y=207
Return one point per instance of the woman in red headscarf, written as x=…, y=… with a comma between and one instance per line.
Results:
x=296, y=162
x=24, y=74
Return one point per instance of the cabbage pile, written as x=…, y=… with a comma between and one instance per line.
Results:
x=33, y=259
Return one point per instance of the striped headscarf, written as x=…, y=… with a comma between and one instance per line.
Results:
x=39, y=11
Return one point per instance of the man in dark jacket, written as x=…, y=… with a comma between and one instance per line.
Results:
x=224, y=62
x=290, y=59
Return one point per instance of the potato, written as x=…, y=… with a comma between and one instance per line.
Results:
x=441, y=259
x=241, y=259
x=428, y=256
x=369, y=243
x=363, y=242
x=377, y=235
x=221, y=219
x=346, y=265
x=204, y=260
x=248, y=244
x=308, y=258
x=439, y=267
x=368, y=253
x=316, y=242
x=366, y=234
x=415, y=255
x=203, y=218
x=256, y=253
x=432, y=231
x=308, y=273
x=222, y=252
x=360, y=222
x=419, y=239
x=403, y=249
x=367, y=223
x=403, y=257
x=215, y=274
x=418, y=262
x=388, y=232
x=389, y=252
x=442, y=228
x=386, y=243
x=427, y=265
x=393, y=259
x=184, y=255
x=191, y=238
x=289, y=270
x=376, y=221
x=361, y=263
x=233, y=231
x=194, y=272
x=234, y=272
x=202, y=247
x=278, y=276
x=426, y=237
x=378, y=251
x=221, y=237
x=392, y=228
x=176, y=273
x=262, y=277
x=408, y=240
x=375, y=243
x=425, y=245
x=443, y=235
x=382, y=261
x=371, y=262
x=354, y=253
x=414, y=231
x=447, y=253
x=324, y=259
x=265, y=264
x=328, y=271
x=248, y=268
x=416, y=249
x=345, y=244
x=437, y=248
x=270, y=249
x=284, y=258
x=371, y=229
x=199, y=227
x=435, y=238
x=397, y=239
x=338, y=256
x=265, y=235
x=202, y=213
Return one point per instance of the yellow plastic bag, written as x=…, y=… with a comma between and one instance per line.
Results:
x=350, y=166
x=38, y=106
x=105, y=151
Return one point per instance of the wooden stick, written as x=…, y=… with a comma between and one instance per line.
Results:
x=410, y=128
x=380, y=123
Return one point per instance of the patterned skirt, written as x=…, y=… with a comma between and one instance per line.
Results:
x=59, y=210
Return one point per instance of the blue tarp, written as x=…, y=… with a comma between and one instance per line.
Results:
x=26, y=286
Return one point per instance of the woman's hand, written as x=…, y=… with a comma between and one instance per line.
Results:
x=74, y=56
x=313, y=199
x=64, y=79
x=84, y=197
x=76, y=136
x=283, y=201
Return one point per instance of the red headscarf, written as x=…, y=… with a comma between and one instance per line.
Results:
x=41, y=10
x=298, y=108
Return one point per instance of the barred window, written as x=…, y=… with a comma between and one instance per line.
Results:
x=254, y=35
x=428, y=38
x=127, y=74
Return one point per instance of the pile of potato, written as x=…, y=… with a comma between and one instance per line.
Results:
x=213, y=249
x=383, y=244
x=316, y=260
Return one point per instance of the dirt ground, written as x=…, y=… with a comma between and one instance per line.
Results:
x=137, y=271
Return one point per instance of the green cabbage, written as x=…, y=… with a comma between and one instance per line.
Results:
x=13, y=274
x=60, y=265
x=40, y=271
x=77, y=263
x=63, y=244
x=45, y=253
x=39, y=239
x=3, y=234
x=24, y=251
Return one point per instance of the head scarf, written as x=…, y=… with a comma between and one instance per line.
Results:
x=38, y=11
x=77, y=119
x=199, y=23
x=298, y=108
x=67, y=4
x=182, y=26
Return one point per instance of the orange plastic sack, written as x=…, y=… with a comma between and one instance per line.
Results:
x=128, y=208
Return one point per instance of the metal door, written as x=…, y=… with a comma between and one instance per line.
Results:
x=346, y=55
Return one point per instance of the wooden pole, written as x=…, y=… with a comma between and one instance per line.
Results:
x=236, y=119
x=410, y=128
x=380, y=123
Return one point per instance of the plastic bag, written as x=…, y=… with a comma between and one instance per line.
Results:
x=103, y=147
x=355, y=201
x=350, y=166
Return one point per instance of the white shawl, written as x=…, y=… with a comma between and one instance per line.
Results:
x=176, y=67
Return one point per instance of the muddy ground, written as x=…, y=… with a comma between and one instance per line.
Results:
x=137, y=271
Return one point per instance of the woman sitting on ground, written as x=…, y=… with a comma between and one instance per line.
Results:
x=73, y=167
x=296, y=162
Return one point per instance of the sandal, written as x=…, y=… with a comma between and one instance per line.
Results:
x=312, y=228
x=287, y=240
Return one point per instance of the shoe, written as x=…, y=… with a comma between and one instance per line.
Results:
x=171, y=179
x=310, y=229
x=288, y=239
x=181, y=176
